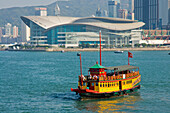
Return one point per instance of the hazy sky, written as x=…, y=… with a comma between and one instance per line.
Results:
x=22, y=3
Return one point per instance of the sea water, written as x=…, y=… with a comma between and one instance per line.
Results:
x=41, y=81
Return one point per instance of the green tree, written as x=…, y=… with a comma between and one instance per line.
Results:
x=95, y=45
x=87, y=45
x=137, y=45
x=83, y=45
x=144, y=44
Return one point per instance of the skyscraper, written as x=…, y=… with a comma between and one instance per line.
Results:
x=131, y=6
x=15, y=32
x=163, y=11
x=114, y=7
x=57, y=10
x=123, y=13
x=41, y=11
x=105, y=13
x=98, y=12
x=8, y=29
x=148, y=12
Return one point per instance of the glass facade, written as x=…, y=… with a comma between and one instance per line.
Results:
x=37, y=34
x=148, y=12
x=61, y=34
x=72, y=35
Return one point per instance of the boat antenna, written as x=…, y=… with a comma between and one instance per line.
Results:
x=100, y=48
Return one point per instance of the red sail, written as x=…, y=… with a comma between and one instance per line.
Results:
x=130, y=55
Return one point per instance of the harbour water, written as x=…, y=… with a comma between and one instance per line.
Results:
x=41, y=81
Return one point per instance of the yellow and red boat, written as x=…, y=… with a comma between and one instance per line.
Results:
x=121, y=80
x=104, y=82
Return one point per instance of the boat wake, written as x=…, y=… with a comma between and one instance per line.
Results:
x=65, y=96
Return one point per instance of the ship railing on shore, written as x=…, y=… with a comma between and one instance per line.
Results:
x=109, y=78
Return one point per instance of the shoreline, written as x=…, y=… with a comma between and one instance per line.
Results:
x=90, y=49
x=117, y=49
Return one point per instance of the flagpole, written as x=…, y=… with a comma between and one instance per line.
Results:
x=128, y=58
x=100, y=48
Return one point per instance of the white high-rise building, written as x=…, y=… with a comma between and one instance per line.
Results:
x=25, y=32
x=15, y=32
x=41, y=11
x=8, y=29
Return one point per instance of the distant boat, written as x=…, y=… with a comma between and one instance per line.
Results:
x=118, y=51
x=62, y=51
x=169, y=53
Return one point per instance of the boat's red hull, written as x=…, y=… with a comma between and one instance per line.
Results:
x=95, y=94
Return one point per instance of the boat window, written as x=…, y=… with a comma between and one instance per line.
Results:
x=92, y=84
x=117, y=84
x=129, y=82
x=84, y=83
x=105, y=84
x=123, y=83
x=96, y=83
x=108, y=84
x=100, y=84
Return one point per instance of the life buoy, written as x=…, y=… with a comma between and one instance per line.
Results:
x=114, y=77
x=95, y=77
x=105, y=78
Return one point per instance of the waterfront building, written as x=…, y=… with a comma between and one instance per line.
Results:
x=15, y=32
x=40, y=11
x=25, y=32
x=72, y=31
x=8, y=29
x=148, y=12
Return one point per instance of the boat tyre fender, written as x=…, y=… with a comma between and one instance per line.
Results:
x=124, y=92
x=119, y=92
x=138, y=87
x=131, y=90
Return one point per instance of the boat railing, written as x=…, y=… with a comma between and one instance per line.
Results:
x=106, y=78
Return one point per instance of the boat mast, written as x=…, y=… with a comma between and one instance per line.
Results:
x=100, y=48
x=79, y=54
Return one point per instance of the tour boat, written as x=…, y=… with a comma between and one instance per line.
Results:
x=104, y=82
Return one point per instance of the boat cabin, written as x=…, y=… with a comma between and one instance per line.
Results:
x=108, y=79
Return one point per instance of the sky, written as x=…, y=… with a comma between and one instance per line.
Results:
x=22, y=3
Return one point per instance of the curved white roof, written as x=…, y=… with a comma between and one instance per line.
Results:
x=48, y=22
